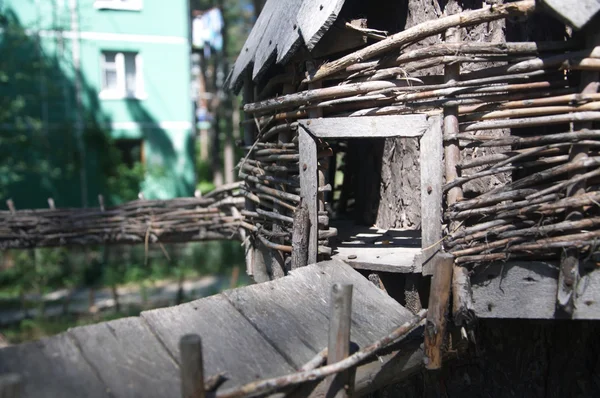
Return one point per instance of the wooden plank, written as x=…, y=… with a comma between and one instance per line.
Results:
x=292, y=312
x=576, y=13
x=432, y=179
x=309, y=188
x=377, y=249
x=231, y=344
x=339, y=38
x=279, y=36
x=368, y=126
x=520, y=289
x=384, y=259
x=129, y=358
x=374, y=313
x=52, y=367
x=277, y=33
x=315, y=17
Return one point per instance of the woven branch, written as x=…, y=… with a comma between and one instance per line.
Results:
x=139, y=221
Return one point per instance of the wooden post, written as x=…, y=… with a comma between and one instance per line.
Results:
x=255, y=266
x=463, y=309
x=439, y=296
x=192, y=369
x=300, y=236
x=568, y=276
x=10, y=385
x=309, y=188
x=340, y=385
x=431, y=160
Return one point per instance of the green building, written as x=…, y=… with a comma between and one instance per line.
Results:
x=96, y=99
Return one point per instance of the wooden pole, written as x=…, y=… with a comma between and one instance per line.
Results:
x=340, y=385
x=438, y=306
x=192, y=370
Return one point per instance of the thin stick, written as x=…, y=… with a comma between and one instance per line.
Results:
x=316, y=361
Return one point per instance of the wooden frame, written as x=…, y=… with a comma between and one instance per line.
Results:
x=427, y=128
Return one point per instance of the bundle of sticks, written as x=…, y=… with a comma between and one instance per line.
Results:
x=524, y=86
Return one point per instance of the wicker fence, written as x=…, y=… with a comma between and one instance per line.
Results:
x=214, y=216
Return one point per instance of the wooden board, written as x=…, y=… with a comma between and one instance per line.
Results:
x=52, y=367
x=278, y=32
x=129, y=358
x=231, y=344
x=520, y=289
x=432, y=179
x=307, y=290
x=309, y=188
x=376, y=249
x=382, y=259
x=367, y=126
x=374, y=313
x=576, y=13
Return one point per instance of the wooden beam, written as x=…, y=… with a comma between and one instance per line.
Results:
x=368, y=126
x=527, y=289
x=431, y=162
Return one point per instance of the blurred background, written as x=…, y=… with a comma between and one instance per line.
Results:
x=123, y=99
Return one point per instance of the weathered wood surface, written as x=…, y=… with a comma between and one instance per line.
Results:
x=520, y=289
x=309, y=188
x=376, y=249
x=250, y=333
x=368, y=126
x=576, y=13
x=52, y=367
x=309, y=334
x=126, y=355
x=431, y=157
x=278, y=32
x=232, y=344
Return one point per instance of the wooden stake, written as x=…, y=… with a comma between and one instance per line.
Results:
x=435, y=329
x=10, y=386
x=192, y=368
x=341, y=384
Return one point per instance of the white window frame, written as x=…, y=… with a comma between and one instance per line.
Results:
x=121, y=90
x=129, y=5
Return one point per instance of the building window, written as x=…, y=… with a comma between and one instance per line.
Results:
x=122, y=75
x=132, y=152
x=126, y=5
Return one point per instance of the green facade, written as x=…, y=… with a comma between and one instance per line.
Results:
x=131, y=102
